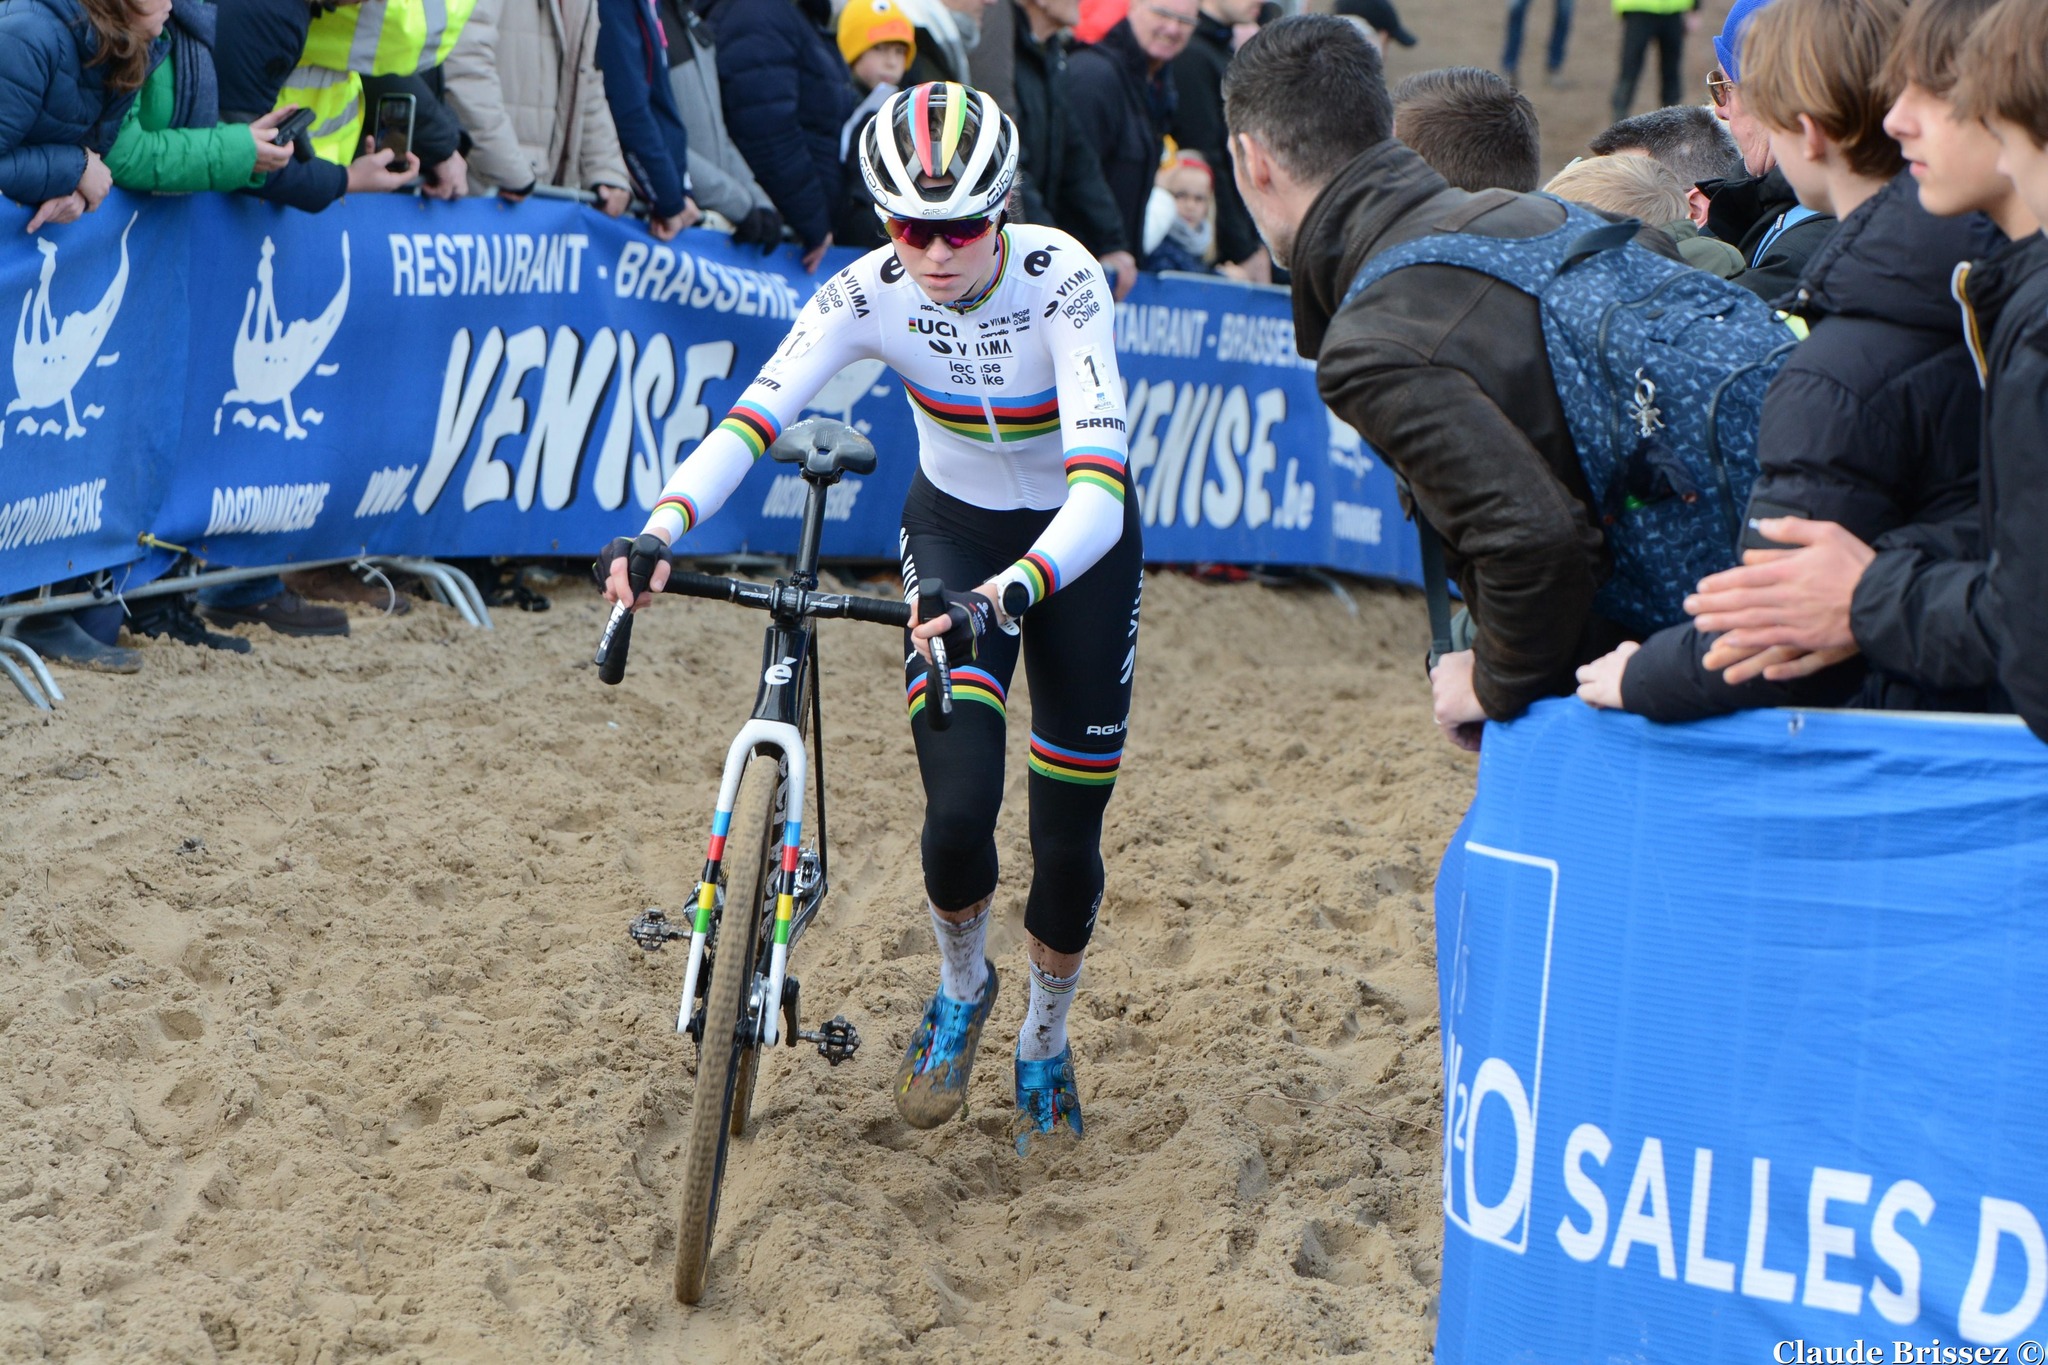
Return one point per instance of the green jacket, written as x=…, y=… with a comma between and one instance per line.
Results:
x=1654, y=6
x=149, y=154
x=1710, y=254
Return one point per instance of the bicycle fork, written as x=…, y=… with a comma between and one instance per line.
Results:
x=771, y=736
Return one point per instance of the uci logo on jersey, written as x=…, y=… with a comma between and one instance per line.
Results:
x=932, y=326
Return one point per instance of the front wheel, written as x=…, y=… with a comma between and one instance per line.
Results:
x=748, y=855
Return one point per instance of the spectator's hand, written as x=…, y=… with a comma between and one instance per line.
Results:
x=269, y=155
x=447, y=179
x=618, y=587
x=761, y=227
x=1125, y=267
x=65, y=208
x=1781, y=663
x=691, y=214
x=97, y=180
x=1600, y=681
x=1257, y=267
x=377, y=171
x=611, y=200
x=1692, y=22
x=817, y=254
x=1778, y=598
x=1458, y=712
x=517, y=196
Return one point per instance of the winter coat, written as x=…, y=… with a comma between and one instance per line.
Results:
x=787, y=94
x=632, y=55
x=1059, y=178
x=1198, y=126
x=157, y=152
x=1872, y=424
x=1949, y=615
x=1444, y=371
x=719, y=178
x=1746, y=212
x=53, y=104
x=1126, y=109
x=523, y=79
x=1702, y=252
x=256, y=49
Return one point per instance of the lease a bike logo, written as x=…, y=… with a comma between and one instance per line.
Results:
x=52, y=356
x=272, y=357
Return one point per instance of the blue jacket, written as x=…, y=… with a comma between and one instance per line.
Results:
x=786, y=95
x=634, y=59
x=52, y=105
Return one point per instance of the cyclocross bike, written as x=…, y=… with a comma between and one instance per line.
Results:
x=738, y=995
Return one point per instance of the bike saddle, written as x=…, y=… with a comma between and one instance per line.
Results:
x=823, y=446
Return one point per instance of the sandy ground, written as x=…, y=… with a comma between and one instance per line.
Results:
x=321, y=1038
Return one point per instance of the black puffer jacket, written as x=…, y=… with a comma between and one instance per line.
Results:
x=1873, y=424
x=1745, y=214
x=1059, y=178
x=1948, y=616
x=1127, y=110
x=787, y=94
x=1445, y=372
x=1198, y=126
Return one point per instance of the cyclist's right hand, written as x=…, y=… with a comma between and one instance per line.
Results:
x=968, y=617
x=618, y=560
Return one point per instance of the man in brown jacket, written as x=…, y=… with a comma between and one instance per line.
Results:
x=1442, y=369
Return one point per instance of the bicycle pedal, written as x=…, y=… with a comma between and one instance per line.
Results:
x=837, y=1041
x=652, y=931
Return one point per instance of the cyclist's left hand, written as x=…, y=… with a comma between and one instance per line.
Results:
x=969, y=615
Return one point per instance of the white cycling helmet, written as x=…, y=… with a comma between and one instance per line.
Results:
x=939, y=150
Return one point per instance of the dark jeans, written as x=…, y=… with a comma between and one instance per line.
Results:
x=1560, y=34
x=1637, y=31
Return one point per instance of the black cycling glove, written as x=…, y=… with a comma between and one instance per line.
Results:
x=641, y=556
x=969, y=615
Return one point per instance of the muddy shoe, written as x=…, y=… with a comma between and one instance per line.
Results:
x=173, y=618
x=287, y=614
x=1046, y=1094
x=62, y=640
x=931, y=1085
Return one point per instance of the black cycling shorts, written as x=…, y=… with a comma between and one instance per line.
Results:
x=1080, y=649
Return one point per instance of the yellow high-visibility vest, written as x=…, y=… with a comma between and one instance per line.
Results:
x=336, y=99
x=386, y=37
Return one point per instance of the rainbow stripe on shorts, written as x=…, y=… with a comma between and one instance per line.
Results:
x=1072, y=765
x=969, y=684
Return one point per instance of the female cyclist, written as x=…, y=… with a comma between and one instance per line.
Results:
x=1002, y=336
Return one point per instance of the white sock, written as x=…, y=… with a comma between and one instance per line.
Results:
x=1045, y=1019
x=963, y=954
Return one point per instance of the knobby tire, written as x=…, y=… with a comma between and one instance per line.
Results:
x=749, y=857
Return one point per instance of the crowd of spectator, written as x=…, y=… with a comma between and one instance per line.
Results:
x=1861, y=166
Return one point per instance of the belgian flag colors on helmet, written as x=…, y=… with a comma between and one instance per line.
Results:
x=940, y=150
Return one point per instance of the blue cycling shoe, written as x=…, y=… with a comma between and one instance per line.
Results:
x=1045, y=1095
x=931, y=1085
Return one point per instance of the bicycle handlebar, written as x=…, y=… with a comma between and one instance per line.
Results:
x=780, y=598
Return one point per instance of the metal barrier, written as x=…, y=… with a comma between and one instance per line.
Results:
x=25, y=669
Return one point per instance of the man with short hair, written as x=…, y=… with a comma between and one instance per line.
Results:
x=1688, y=139
x=1198, y=127
x=1123, y=97
x=1444, y=370
x=1059, y=179
x=1473, y=128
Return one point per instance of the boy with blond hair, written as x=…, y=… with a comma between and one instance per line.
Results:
x=1873, y=423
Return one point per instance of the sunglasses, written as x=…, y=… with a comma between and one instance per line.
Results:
x=918, y=233
x=1719, y=87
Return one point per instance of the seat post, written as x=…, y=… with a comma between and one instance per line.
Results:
x=807, y=550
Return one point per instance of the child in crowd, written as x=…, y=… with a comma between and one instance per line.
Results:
x=1971, y=612
x=1626, y=186
x=1873, y=423
x=1472, y=127
x=1187, y=224
x=1693, y=144
x=878, y=42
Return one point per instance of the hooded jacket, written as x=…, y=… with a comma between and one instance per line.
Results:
x=1971, y=610
x=1126, y=109
x=1747, y=213
x=1059, y=178
x=1198, y=126
x=1872, y=424
x=787, y=94
x=523, y=78
x=54, y=104
x=1444, y=370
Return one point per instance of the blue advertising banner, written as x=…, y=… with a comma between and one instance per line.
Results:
x=1742, y=1028
x=402, y=376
